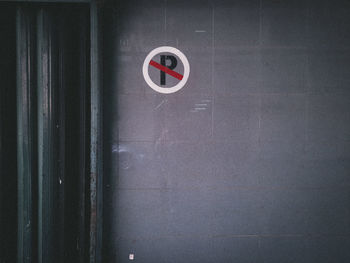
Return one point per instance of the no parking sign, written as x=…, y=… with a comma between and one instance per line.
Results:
x=164, y=69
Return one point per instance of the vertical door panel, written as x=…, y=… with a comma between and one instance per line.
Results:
x=54, y=129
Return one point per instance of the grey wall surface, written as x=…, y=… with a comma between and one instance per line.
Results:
x=250, y=161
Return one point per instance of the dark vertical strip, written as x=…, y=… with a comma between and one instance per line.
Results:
x=84, y=127
x=8, y=135
x=96, y=138
x=110, y=19
x=42, y=125
x=25, y=123
x=2, y=197
x=62, y=140
x=47, y=141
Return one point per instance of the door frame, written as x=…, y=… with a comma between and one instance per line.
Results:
x=96, y=141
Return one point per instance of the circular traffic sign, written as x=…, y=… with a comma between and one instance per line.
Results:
x=166, y=69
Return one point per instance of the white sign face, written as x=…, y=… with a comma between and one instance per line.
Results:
x=166, y=69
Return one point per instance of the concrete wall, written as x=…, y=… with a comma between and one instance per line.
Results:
x=262, y=172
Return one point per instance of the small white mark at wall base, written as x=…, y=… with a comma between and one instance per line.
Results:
x=200, y=31
x=131, y=256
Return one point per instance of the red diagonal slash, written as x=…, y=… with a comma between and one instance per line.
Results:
x=166, y=70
